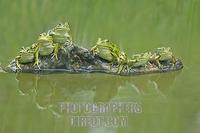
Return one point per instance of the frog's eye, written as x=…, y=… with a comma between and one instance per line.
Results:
x=22, y=48
x=43, y=34
x=147, y=53
x=159, y=48
x=106, y=40
x=59, y=25
x=99, y=41
x=163, y=48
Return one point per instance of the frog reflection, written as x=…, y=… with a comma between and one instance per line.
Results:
x=48, y=91
x=26, y=84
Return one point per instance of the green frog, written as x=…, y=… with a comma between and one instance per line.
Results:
x=43, y=47
x=106, y=50
x=61, y=34
x=164, y=54
x=26, y=55
x=140, y=60
x=109, y=52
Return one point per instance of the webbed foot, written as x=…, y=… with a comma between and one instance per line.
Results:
x=36, y=63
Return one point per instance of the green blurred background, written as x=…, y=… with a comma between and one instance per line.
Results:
x=171, y=102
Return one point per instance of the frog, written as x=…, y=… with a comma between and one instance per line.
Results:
x=140, y=60
x=26, y=55
x=43, y=47
x=164, y=54
x=61, y=34
x=103, y=49
x=109, y=52
x=106, y=50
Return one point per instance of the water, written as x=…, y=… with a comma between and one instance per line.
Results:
x=169, y=102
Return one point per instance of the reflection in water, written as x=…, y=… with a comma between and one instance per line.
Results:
x=135, y=25
x=48, y=91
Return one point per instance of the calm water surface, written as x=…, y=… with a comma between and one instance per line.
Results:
x=169, y=102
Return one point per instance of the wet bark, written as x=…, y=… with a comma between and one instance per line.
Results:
x=74, y=59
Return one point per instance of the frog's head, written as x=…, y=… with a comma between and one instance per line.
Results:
x=45, y=38
x=61, y=33
x=165, y=53
x=62, y=28
x=142, y=56
x=136, y=56
x=25, y=50
x=102, y=42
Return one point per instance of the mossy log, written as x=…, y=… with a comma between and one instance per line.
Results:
x=75, y=59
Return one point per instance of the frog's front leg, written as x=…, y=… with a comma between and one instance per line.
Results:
x=93, y=49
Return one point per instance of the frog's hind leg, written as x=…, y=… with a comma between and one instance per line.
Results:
x=17, y=63
x=173, y=59
x=121, y=68
x=36, y=61
x=158, y=63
